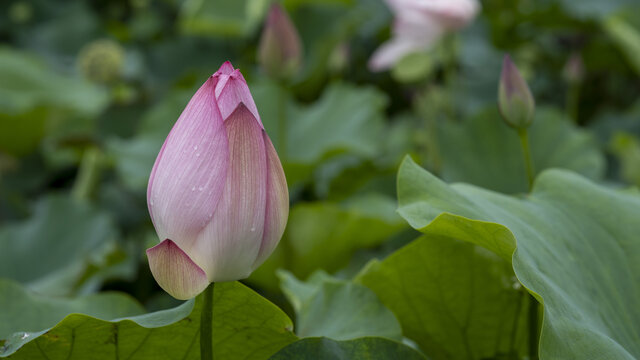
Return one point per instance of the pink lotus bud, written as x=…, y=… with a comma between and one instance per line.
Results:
x=418, y=24
x=217, y=193
x=514, y=97
x=280, y=51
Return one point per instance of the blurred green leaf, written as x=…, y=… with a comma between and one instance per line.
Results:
x=594, y=9
x=24, y=311
x=245, y=325
x=35, y=99
x=26, y=83
x=222, y=18
x=484, y=151
x=626, y=37
x=413, y=67
x=369, y=348
x=337, y=309
x=346, y=119
x=53, y=249
x=577, y=251
x=324, y=235
x=627, y=148
x=454, y=299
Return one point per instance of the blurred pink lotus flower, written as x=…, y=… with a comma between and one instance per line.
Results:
x=418, y=24
x=217, y=193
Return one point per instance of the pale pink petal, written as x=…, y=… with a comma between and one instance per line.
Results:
x=229, y=245
x=175, y=272
x=231, y=91
x=226, y=68
x=189, y=174
x=277, y=206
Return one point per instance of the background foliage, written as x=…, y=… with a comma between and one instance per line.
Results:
x=90, y=89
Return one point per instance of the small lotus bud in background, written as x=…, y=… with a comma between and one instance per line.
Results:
x=574, y=69
x=280, y=50
x=217, y=193
x=101, y=61
x=514, y=97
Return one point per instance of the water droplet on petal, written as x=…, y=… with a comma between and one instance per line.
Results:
x=253, y=229
x=197, y=154
x=193, y=188
x=24, y=336
x=195, y=147
x=200, y=188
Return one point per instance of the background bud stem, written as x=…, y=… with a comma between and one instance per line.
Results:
x=206, y=324
x=573, y=101
x=88, y=174
x=523, y=134
x=282, y=121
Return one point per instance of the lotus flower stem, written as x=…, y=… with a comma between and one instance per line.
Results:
x=526, y=150
x=206, y=324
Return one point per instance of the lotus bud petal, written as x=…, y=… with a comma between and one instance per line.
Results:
x=280, y=50
x=217, y=193
x=514, y=97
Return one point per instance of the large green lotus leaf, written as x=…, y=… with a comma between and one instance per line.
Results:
x=337, y=309
x=324, y=235
x=56, y=245
x=369, y=348
x=25, y=311
x=454, y=299
x=245, y=326
x=577, y=251
x=484, y=151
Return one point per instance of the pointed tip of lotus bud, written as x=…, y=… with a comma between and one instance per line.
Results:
x=226, y=68
x=175, y=272
x=280, y=50
x=574, y=69
x=514, y=97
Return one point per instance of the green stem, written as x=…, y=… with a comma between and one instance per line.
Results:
x=573, y=101
x=534, y=331
x=450, y=73
x=206, y=325
x=526, y=151
x=432, y=148
x=88, y=174
x=282, y=121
